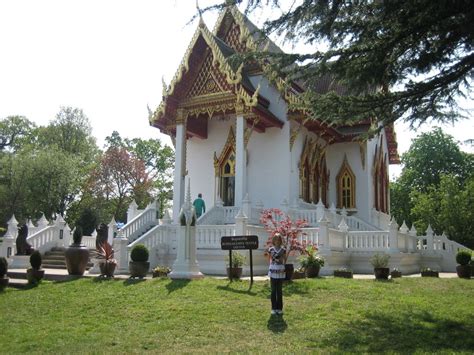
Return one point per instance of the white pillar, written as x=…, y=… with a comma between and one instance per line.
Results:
x=121, y=253
x=323, y=242
x=186, y=265
x=179, y=165
x=241, y=223
x=132, y=211
x=240, y=161
x=429, y=239
x=393, y=236
x=112, y=228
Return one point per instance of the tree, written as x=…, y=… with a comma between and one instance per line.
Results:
x=158, y=160
x=14, y=130
x=435, y=187
x=410, y=59
x=119, y=178
x=447, y=208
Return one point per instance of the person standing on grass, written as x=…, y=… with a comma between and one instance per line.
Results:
x=276, y=272
x=199, y=206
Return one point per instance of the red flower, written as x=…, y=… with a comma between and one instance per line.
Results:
x=276, y=221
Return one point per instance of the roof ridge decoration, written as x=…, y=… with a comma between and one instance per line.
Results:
x=233, y=77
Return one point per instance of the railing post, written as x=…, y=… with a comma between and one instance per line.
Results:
x=333, y=215
x=241, y=223
x=393, y=236
x=406, y=240
x=320, y=210
x=344, y=228
x=284, y=206
x=323, y=242
x=413, y=237
x=121, y=252
x=111, y=231
x=132, y=211
x=60, y=224
x=42, y=222
x=8, y=247
x=429, y=239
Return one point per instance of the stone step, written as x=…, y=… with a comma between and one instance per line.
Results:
x=54, y=262
x=53, y=257
x=54, y=266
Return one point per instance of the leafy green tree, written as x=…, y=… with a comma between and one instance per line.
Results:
x=404, y=58
x=15, y=131
x=431, y=155
x=448, y=208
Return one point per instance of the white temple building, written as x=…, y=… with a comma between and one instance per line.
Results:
x=240, y=144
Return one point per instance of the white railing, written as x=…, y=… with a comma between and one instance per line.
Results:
x=139, y=224
x=209, y=237
x=164, y=234
x=309, y=216
x=229, y=214
x=44, y=239
x=89, y=241
x=368, y=240
x=215, y=216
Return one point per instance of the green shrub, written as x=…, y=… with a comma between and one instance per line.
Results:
x=463, y=257
x=3, y=267
x=379, y=260
x=35, y=260
x=139, y=253
x=77, y=236
x=237, y=259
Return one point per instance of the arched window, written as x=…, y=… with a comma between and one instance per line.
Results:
x=225, y=170
x=345, y=186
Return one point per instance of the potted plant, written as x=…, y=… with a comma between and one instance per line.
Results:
x=107, y=263
x=35, y=274
x=3, y=273
x=463, y=258
x=311, y=262
x=395, y=273
x=427, y=272
x=276, y=221
x=344, y=272
x=380, y=264
x=161, y=271
x=139, y=263
x=299, y=273
x=234, y=271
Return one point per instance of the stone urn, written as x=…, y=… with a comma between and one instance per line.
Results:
x=107, y=269
x=34, y=275
x=77, y=257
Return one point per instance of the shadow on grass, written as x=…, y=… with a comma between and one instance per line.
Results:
x=243, y=292
x=277, y=324
x=298, y=288
x=132, y=281
x=403, y=332
x=175, y=285
x=102, y=278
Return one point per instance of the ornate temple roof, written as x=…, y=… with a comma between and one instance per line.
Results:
x=207, y=85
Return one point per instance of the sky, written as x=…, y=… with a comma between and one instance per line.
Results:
x=108, y=57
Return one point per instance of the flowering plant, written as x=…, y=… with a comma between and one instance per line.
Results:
x=276, y=221
x=311, y=257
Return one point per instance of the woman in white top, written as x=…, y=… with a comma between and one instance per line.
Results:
x=276, y=272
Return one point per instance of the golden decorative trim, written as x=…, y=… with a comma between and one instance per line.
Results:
x=228, y=148
x=181, y=115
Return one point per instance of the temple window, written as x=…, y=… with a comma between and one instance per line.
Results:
x=345, y=186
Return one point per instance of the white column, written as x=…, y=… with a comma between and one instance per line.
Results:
x=121, y=253
x=180, y=166
x=240, y=161
x=393, y=236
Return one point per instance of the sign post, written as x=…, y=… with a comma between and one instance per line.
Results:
x=240, y=242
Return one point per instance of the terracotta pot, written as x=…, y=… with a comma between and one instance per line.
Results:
x=4, y=283
x=381, y=273
x=77, y=257
x=107, y=269
x=464, y=271
x=313, y=271
x=234, y=273
x=138, y=268
x=289, y=270
x=344, y=274
x=34, y=275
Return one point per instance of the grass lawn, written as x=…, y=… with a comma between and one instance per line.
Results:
x=321, y=315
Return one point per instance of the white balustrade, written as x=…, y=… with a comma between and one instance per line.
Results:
x=229, y=214
x=89, y=241
x=158, y=236
x=209, y=237
x=337, y=240
x=45, y=239
x=368, y=240
x=139, y=224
